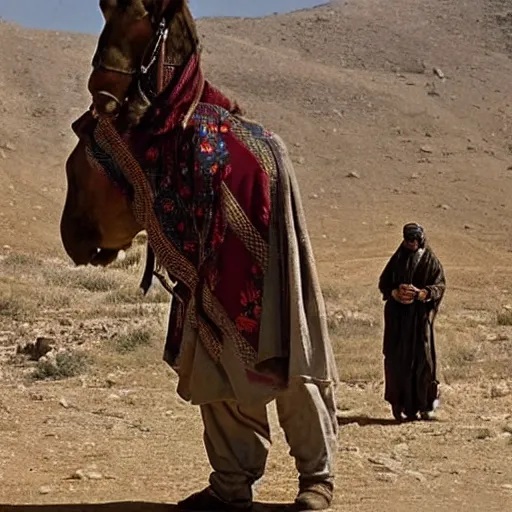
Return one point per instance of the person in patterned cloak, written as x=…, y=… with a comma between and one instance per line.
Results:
x=413, y=285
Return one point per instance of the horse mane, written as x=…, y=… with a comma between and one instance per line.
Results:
x=182, y=40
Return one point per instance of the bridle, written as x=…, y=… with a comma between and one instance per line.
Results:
x=153, y=53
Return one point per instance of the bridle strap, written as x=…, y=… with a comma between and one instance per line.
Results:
x=147, y=277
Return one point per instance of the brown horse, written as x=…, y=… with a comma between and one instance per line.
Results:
x=97, y=220
x=163, y=150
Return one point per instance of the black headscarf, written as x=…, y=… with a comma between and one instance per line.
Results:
x=414, y=231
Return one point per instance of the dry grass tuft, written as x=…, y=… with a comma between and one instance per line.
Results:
x=89, y=279
x=133, y=340
x=62, y=366
x=14, y=259
x=16, y=306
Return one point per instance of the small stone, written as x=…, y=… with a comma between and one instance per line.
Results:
x=66, y=322
x=426, y=149
x=443, y=206
x=387, y=463
x=500, y=390
x=45, y=490
x=417, y=475
x=42, y=347
x=388, y=478
x=314, y=196
x=507, y=487
x=94, y=475
x=352, y=449
x=353, y=174
x=301, y=160
x=79, y=474
x=111, y=381
x=401, y=448
x=64, y=403
x=439, y=73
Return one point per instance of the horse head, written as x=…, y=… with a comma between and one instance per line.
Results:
x=138, y=39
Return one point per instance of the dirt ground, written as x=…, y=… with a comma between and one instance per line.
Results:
x=378, y=139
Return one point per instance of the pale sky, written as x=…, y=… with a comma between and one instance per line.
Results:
x=84, y=15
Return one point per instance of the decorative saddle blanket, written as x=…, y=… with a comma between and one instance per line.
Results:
x=205, y=198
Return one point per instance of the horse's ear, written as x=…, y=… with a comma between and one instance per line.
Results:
x=160, y=8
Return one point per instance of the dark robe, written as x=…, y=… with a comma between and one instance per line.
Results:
x=409, y=349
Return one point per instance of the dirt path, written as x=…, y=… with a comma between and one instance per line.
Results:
x=135, y=441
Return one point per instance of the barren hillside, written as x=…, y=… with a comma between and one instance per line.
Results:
x=393, y=110
x=350, y=88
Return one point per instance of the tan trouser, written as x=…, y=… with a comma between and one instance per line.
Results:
x=237, y=439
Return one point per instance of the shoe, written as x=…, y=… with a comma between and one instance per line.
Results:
x=397, y=413
x=207, y=500
x=316, y=496
x=427, y=415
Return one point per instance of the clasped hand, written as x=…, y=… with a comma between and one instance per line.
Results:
x=407, y=294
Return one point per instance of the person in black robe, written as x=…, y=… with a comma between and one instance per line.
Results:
x=413, y=286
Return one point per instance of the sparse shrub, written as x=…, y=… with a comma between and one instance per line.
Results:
x=459, y=353
x=132, y=259
x=124, y=296
x=132, y=340
x=101, y=282
x=14, y=259
x=54, y=299
x=62, y=366
x=483, y=433
x=93, y=280
x=15, y=308
x=156, y=295
x=351, y=324
x=504, y=317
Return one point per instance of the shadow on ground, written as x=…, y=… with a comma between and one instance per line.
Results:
x=365, y=421
x=127, y=506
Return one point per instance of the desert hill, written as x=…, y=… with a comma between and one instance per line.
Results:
x=351, y=88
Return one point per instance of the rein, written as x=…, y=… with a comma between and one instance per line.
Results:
x=160, y=20
x=158, y=50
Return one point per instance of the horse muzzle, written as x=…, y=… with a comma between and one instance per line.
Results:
x=108, y=90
